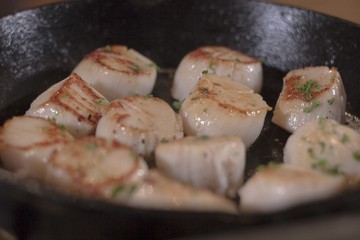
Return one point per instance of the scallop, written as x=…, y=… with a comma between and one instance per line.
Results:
x=218, y=106
x=93, y=167
x=118, y=71
x=140, y=122
x=216, y=163
x=218, y=60
x=325, y=145
x=157, y=191
x=72, y=103
x=26, y=144
x=308, y=94
x=280, y=187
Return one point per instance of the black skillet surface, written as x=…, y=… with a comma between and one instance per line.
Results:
x=41, y=46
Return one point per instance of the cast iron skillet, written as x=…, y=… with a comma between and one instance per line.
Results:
x=41, y=46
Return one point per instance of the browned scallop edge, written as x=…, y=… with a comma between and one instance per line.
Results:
x=65, y=90
x=202, y=54
x=78, y=176
x=206, y=93
x=55, y=136
x=130, y=67
x=291, y=92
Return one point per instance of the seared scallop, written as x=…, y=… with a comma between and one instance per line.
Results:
x=140, y=122
x=158, y=191
x=117, y=71
x=216, y=163
x=325, y=145
x=72, y=103
x=92, y=166
x=26, y=144
x=218, y=60
x=218, y=106
x=308, y=94
x=279, y=187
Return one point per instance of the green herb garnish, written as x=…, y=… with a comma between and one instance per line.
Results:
x=91, y=146
x=176, y=104
x=153, y=65
x=212, y=65
x=136, y=68
x=107, y=48
x=331, y=101
x=122, y=188
x=307, y=88
x=356, y=155
x=102, y=101
x=345, y=138
x=313, y=105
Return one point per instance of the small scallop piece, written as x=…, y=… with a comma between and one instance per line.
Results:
x=157, y=191
x=216, y=163
x=71, y=103
x=140, y=122
x=218, y=106
x=117, y=72
x=26, y=144
x=280, y=187
x=92, y=166
x=325, y=145
x=218, y=60
x=308, y=94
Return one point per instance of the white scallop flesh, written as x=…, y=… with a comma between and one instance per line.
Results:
x=218, y=60
x=216, y=163
x=140, y=122
x=117, y=72
x=72, y=103
x=157, y=191
x=325, y=145
x=26, y=144
x=218, y=106
x=94, y=167
x=308, y=94
x=276, y=188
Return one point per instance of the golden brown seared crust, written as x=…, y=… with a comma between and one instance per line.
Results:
x=116, y=53
x=217, y=54
x=55, y=135
x=79, y=166
x=69, y=100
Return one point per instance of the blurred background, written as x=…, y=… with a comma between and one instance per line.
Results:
x=345, y=9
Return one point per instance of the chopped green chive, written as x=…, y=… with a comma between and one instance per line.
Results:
x=212, y=65
x=271, y=165
x=136, y=68
x=306, y=88
x=149, y=96
x=130, y=189
x=345, y=138
x=118, y=189
x=176, y=104
x=356, y=155
x=331, y=101
x=205, y=72
x=133, y=155
x=322, y=122
x=153, y=65
x=313, y=105
x=91, y=146
x=107, y=48
x=102, y=101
